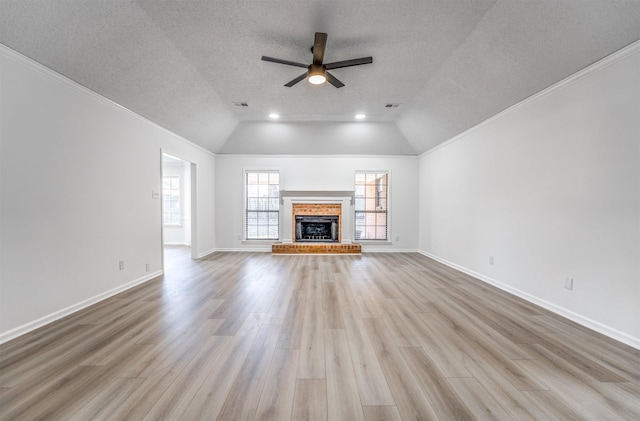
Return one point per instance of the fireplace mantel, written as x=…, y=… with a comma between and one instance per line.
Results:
x=343, y=197
x=320, y=194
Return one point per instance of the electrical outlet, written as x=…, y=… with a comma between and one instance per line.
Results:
x=121, y=264
x=568, y=283
x=397, y=238
x=490, y=260
x=148, y=267
x=239, y=237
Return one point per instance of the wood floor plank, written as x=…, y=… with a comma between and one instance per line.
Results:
x=209, y=399
x=331, y=306
x=478, y=399
x=293, y=322
x=276, y=402
x=310, y=400
x=244, y=396
x=393, y=321
x=372, y=384
x=479, y=348
x=311, y=362
x=343, y=398
x=141, y=401
x=53, y=400
x=289, y=340
x=447, y=355
x=559, y=374
x=445, y=403
x=381, y=413
x=103, y=404
x=577, y=394
x=480, y=332
x=510, y=399
x=410, y=401
x=177, y=396
x=552, y=406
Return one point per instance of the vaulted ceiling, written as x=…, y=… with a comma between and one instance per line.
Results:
x=448, y=65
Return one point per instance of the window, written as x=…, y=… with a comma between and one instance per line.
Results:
x=171, y=200
x=371, y=210
x=262, y=203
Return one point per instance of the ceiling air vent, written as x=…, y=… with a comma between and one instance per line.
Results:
x=390, y=105
x=240, y=104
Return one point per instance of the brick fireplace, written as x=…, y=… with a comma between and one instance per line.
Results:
x=328, y=215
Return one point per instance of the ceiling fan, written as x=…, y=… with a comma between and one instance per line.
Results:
x=317, y=71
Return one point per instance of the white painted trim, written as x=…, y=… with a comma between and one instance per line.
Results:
x=33, y=325
x=206, y=253
x=245, y=250
x=240, y=155
x=264, y=250
x=561, y=311
x=601, y=64
x=42, y=69
x=386, y=250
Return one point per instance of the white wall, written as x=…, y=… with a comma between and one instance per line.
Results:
x=77, y=175
x=551, y=189
x=316, y=173
x=317, y=138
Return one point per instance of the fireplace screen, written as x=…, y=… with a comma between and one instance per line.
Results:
x=316, y=228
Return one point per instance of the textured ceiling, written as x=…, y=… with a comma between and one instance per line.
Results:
x=449, y=64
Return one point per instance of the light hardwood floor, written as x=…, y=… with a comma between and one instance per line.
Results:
x=244, y=336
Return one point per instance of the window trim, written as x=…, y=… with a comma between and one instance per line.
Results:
x=243, y=236
x=389, y=194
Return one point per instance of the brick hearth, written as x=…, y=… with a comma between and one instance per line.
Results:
x=316, y=248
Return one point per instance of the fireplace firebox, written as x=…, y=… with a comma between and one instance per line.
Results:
x=317, y=228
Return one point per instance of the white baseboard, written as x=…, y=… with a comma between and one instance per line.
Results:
x=263, y=249
x=561, y=311
x=366, y=249
x=206, y=253
x=28, y=327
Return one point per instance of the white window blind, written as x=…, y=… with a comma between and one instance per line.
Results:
x=262, y=205
x=371, y=205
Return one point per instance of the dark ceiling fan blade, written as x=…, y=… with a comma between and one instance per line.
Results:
x=318, y=47
x=348, y=63
x=296, y=80
x=287, y=62
x=332, y=80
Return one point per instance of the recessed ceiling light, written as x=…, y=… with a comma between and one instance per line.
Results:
x=274, y=116
x=360, y=116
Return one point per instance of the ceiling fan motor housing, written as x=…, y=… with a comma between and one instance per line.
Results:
x=316, y=69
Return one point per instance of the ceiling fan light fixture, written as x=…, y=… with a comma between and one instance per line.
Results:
x=316, y=75
x=317, y=79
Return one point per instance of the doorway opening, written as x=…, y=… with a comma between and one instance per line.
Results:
x=178, y=208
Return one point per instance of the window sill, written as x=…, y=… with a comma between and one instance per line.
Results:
x=259, y=241
x=172, y=225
